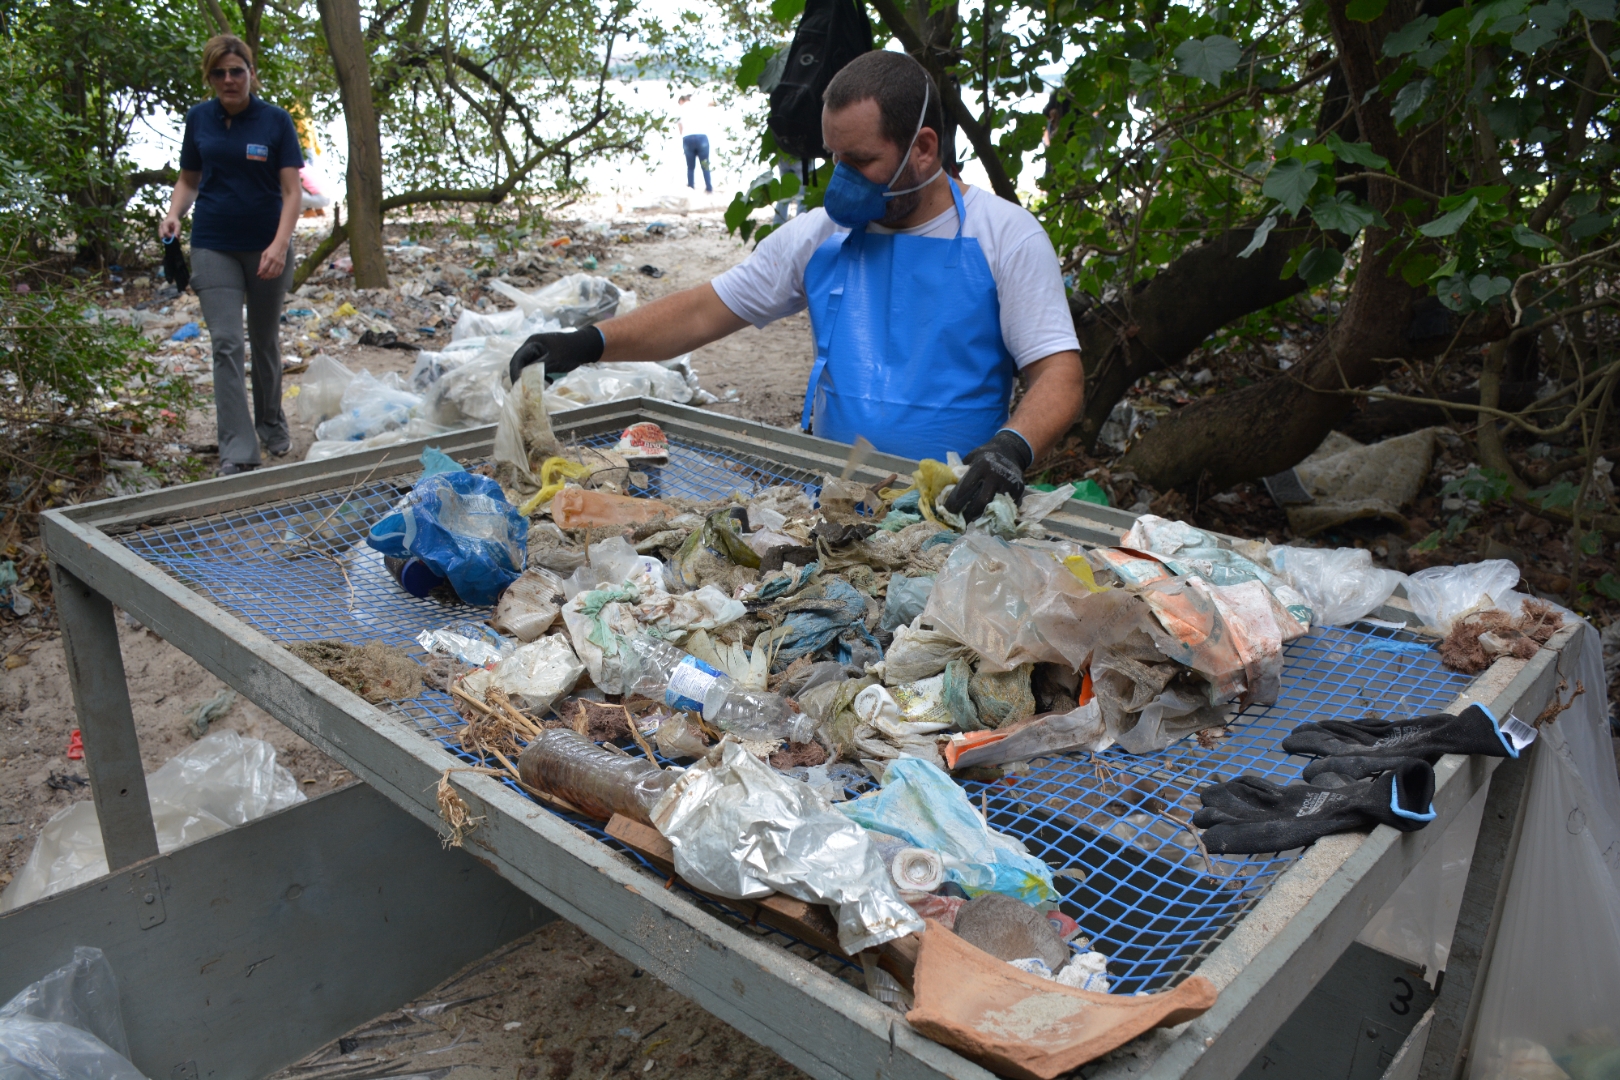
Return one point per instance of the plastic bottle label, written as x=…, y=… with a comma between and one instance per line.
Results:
x=689, y=683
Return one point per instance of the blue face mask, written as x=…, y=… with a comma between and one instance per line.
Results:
x=852, y=200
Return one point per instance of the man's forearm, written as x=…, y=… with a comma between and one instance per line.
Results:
x=669, y=326
x=1051, y=402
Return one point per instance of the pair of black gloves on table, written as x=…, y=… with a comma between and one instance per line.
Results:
x=995, y=468
x=1366, y=773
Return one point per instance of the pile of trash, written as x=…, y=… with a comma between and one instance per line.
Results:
x=772, y=691
x=466, y=383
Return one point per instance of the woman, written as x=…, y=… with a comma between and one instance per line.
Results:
x=239, y=163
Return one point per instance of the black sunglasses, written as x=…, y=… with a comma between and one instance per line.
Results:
x=229, y=73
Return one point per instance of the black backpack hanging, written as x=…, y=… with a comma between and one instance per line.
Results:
x=831, y=33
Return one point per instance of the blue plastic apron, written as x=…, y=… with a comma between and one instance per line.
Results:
x=908, y=343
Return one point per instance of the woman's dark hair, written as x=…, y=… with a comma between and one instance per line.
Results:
x=898, y=84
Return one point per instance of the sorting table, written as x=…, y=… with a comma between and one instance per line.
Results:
x=233, y=570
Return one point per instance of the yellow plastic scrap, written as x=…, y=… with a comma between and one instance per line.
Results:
x=345, y=309
x=554, y=471
x=931, y=478
x=1080, y=568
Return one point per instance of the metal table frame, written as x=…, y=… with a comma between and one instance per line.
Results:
x=1264, y=967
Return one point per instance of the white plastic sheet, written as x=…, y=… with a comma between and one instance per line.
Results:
x=1554, y=980
x=1341, y=585
x=320, y=389
x=371, y=406
x=215, y=783
x=741, y=829
x=534, y=676
x=67, y=1026
x=1441, y=594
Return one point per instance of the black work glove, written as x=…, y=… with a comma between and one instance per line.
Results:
x=1358, y=748
x=997, y=466
x=561, y=351
x=1251, y=815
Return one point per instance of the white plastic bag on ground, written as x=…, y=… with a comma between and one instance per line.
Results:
x=320, y=389
x=741, y=829
x=574, y=300
x=1341, y=585
x=371, y=406
x=415, y=428
x=1441, y=594
x=67, y=1026
x=215, y=783
x=595, y=383
x=1553, y=985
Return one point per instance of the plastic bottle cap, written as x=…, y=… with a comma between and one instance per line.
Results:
x=417, y=578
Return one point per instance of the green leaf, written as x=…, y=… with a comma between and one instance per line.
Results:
x=1411, y=99
x=752, y=66
x=1486, y=288
x=1559, y=496
x=1589, y=225
x=1590, y=543
x=1596, y=10
x=1356, y=153
x=1290, y=182
x=1141, y=74
x=1320, y=265
x=1524, y=236
x=1411, y=37
x=1448, y=224
x=1343, y=213
x=785, y=11
x=1428, y=543
x=1453, y=293
x=1447, y=269
x=1608, y=585
x=1258, y=241
x=1418, y=268
x=1365, y=10
x=1208, y=58
x=1533, y=38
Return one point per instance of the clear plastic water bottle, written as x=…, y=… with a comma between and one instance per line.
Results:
x=664, y=673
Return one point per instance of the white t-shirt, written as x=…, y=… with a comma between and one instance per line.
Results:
x=1035, y=319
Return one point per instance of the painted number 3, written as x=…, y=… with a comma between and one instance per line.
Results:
x=1400, y=1004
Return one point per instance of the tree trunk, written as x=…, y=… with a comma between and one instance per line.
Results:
x=340, y=19
x=1171, y=314
x=1265, y=428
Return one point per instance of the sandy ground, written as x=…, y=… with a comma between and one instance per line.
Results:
x=582, y=1011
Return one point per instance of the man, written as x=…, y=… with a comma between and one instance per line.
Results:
x=926, y=300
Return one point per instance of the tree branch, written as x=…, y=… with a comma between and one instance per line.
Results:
x=978, y=134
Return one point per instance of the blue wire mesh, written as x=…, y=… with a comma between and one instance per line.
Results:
x=1142, y=887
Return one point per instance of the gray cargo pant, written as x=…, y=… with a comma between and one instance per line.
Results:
x=224, y=280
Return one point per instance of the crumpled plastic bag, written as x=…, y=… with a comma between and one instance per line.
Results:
x=474, y=644
x=217, y=782
x=922, y=805
x=831, y=610
x=534, y=676
x=530, y=605
x=574, y=300
x=740, y=829
x=1441, y=595
x=1341, y=585
x=1081, y=728
x=907, y=596
x=320, y=389
x=1548, y=1002
x=523, y=435
x=919, y=652
x=599, y=623
x=462, y=527
x=1014, y=605
x=1187, y=550
x=416, y=427
x=592, y=384
x=67, y=1026
x=370, y=406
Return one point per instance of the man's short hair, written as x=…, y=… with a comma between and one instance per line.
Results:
x=898, y=84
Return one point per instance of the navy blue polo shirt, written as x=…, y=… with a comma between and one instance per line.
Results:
x=239, y=200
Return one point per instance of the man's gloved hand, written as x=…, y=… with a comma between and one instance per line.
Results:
x=997, y=466
x=561, y=351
